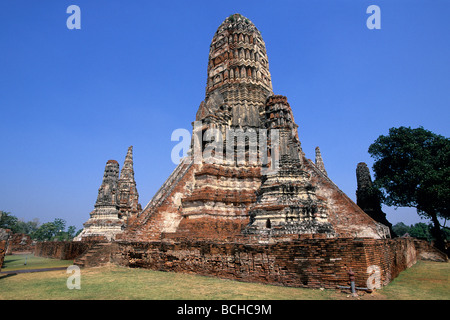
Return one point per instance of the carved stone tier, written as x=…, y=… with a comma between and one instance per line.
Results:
x=287, y=202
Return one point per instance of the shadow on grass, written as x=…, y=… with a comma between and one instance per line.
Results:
x=12, y=260
x=7, y=275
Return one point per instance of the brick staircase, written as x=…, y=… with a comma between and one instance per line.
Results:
x=99, y=254
x=165, y=190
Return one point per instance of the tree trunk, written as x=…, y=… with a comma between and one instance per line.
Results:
x=437, y=233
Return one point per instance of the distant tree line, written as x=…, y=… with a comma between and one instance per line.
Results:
x=419, y=230
x=49, y=231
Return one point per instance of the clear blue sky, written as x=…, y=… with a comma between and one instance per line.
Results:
x=72, y=99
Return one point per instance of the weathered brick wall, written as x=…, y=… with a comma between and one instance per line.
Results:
x=301, y=263
x=20, y=242
x=3, y=244
x=64, y=250
x=209, y=228
x=425, y=251
x=392, y=256
x=4, y=239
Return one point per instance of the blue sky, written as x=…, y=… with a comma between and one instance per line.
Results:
x=136, y=70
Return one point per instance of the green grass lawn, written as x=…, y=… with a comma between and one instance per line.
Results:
x=29, y=261
x=425, y=280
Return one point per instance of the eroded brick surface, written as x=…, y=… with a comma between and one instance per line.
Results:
x=309, y=263
x=19, y=242
x=4, y=239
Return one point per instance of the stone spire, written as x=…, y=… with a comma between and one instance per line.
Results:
x=127, y=171
x=104, y=222
x=107, y=193
x=363, y=179
x=239, y=95
x=128, y=198
x=368, y=198
x=239, y=80
x=319, y=162
x=238, y=86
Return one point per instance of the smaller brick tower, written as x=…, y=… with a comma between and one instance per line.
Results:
x=319, y=162
x=128, y=199
x=104, y=222
x=368, y=198
x=287, y=202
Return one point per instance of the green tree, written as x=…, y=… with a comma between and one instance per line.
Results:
x=65, y=235
x=25, y=227
x=400, y=229
x=20, y=227
x=54, y=231
x=71, y=231
x=8, y=221
x=60, y=225
x=420, y=230
x=411, y=170
x=45, y=232
x=32, y=225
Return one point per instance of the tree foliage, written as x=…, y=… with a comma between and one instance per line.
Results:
x=419, y=230
x=7, y=220
x=46, y=231
x=400, y=229
x=411, y=169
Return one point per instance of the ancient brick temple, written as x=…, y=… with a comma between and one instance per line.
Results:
x=222, y=197
x=245, y=203
x=246, y=175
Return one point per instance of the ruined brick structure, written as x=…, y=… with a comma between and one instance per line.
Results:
x=245, y=203
x=20, y=242
x=117, y=202
x=4, y=240
x=222, y=196
x=367, y=197
x=128, y=198
x=312, y=263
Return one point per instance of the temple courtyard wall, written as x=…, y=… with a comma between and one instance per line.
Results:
x=63, y=250
x=311, y=263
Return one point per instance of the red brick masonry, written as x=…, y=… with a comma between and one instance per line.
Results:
x=3, y=244
x=64, y=250
x=312, y=263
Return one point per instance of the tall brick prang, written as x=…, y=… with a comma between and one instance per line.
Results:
x=220, y=191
